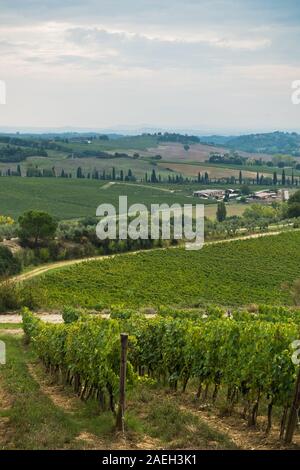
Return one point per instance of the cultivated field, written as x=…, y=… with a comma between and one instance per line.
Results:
x=196, y=153
x=75, y=198
x=236, y=273
x=213, y=171
x=146, y=146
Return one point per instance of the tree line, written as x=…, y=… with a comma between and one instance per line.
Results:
x=115, y=174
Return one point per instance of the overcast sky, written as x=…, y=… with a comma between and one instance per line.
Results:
x=208, y=65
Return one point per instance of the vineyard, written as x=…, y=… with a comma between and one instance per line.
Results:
x=75, y=197
x=244, y=358
x=236, y=273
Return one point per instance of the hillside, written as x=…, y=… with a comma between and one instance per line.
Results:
x=270, y=143
x=141, y=153
x=235, y=273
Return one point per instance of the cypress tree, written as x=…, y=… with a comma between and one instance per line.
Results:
x=79, y=172
x=221, y=211
x=240, y=177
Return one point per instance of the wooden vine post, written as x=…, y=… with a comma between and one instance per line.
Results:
x=121, y=410
x=293, y=416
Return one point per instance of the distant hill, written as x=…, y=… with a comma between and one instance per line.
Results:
x=271, y=143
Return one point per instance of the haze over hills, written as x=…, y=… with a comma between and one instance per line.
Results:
x=213, y=135
x=263, y=142
x=273, y=142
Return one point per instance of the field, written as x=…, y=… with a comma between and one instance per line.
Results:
x=75, y=198
x=235, y=273
x=146, y=146
x=234, y=208
x=69, y=199
x=197, y=152
x=60, y=160
x=130, y=143
x=139, y=167
x=213, y=171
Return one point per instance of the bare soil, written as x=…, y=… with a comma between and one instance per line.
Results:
x=196, y=153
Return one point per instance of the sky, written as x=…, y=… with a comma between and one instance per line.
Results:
x=209, y=66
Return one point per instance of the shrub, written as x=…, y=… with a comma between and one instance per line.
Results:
x=9, y=265
x=294, y=205
x=31, y=295
x=9, y=296
x=13, y=296
x=71, y=314
x=44, y=255
x=8, y=231
x=121, y=314
x=26, y=257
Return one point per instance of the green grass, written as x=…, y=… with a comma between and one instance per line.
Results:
x=75, y=198
x=33, y=420
x=233, y=208
x=138, y=166
x=176, y=428
x=235, y=273
x=138, y=142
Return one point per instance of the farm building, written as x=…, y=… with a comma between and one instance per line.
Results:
x=210, y=193
x=269, y=195
x=216, y=194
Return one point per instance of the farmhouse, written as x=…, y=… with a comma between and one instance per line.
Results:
x=210, y=194
x=217, y=194
x=269, y=195
x=232, y=193
x=264, y=195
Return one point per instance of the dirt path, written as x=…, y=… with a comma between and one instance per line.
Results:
x=59, y=264
x=13, y=331
x=53, y=391
x=17, y=318
x=242, y=437
x=108, y=185
x=245, y=437
x=166, y=190
x=67, y=402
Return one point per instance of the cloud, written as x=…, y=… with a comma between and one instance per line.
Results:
x=155, y=59
x=45, y=47
x=208, y=38
x=151, y=35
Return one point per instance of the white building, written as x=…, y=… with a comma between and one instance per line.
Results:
x=217, y=194
x=210, y=194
